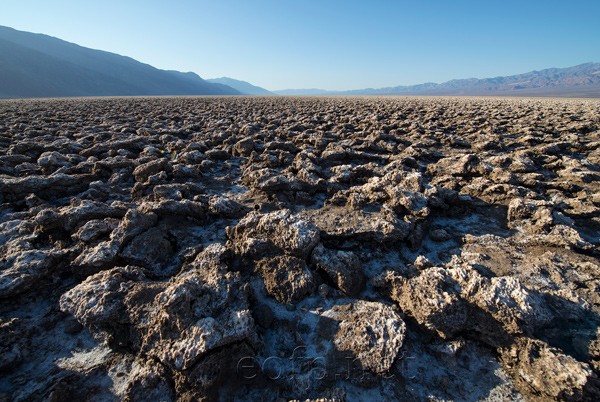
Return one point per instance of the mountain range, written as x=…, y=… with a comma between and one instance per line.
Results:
x=37, y=65
x=579, y=81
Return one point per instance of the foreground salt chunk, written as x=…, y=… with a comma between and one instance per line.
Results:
x=546, y=369
x=177, y=322
x=286, y=278
x=371, y=332
x=342, y=267
x=277, y=230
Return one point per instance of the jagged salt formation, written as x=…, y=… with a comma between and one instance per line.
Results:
x=299, y=248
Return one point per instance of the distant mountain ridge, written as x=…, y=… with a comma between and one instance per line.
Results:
x=244, y=87
x=578, y=81
x=37, y=65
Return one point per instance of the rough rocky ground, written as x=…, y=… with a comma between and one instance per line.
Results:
x=273, y=249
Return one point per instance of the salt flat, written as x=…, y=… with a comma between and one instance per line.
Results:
x=293, y=248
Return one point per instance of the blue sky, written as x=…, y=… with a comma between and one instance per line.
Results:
x=333, y=44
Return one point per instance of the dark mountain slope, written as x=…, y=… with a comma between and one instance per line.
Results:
x=28, y=73
x=73, y=69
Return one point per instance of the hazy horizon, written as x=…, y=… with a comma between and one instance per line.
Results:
x=331, y=45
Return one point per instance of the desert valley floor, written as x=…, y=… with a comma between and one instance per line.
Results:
x=294, y=248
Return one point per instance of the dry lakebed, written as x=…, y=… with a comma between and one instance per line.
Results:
x=299, y=248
